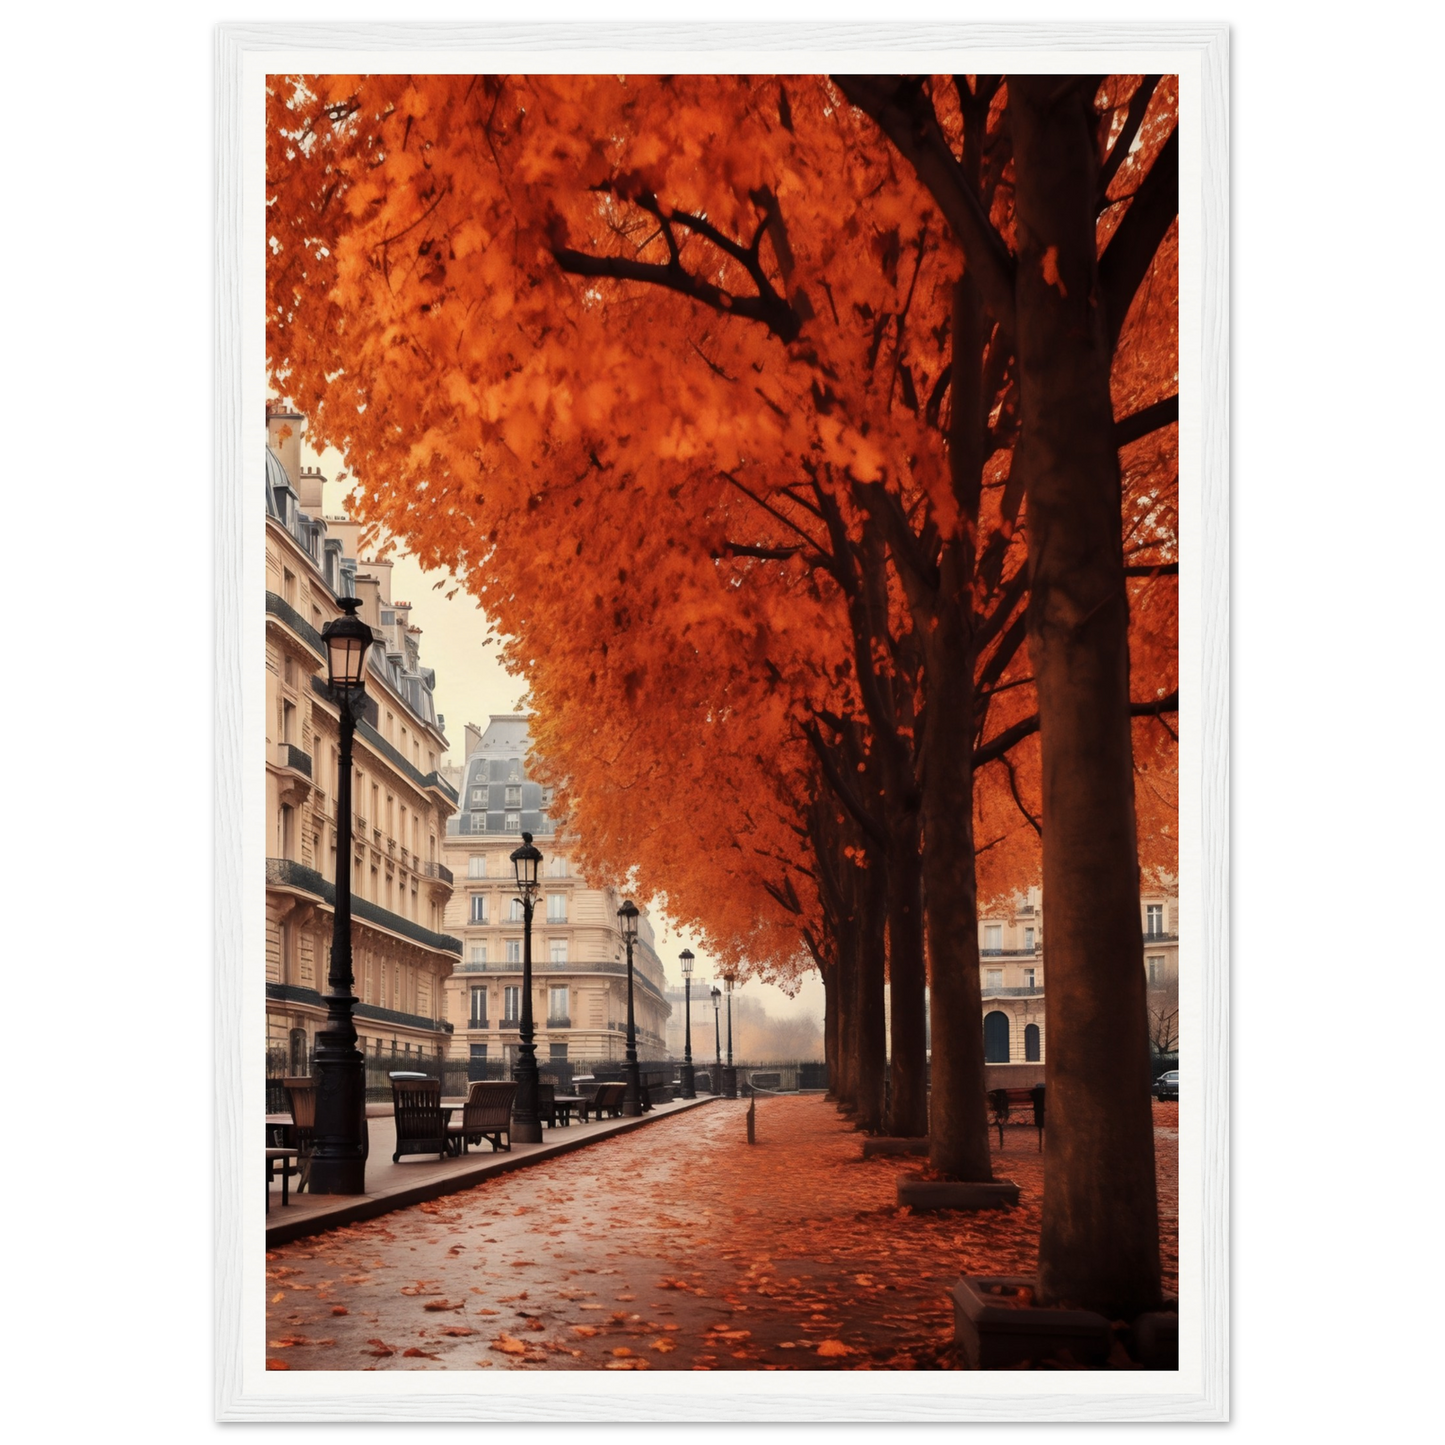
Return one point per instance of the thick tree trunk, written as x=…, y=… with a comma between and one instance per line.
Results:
x=871, y=1057
x=958, y=1120
x=829, y=974
x=907, y=982
x=1099, y=1242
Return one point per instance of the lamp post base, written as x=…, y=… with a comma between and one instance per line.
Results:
x=729, y=1082
x=687, y=1082
x=526, y=1132
x=632, y=1100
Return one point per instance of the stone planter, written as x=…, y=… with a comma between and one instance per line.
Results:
x=884, y=1145
x=955, y=1194
x=995, y=1331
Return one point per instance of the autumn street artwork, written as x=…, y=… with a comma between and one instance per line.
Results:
x=811, y=446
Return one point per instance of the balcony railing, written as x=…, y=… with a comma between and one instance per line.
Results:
x=1160, y=937
x=437, y=870
x=995, y=990
x=286, y=873
x=477, y=1024
x=559, y=1021
x=279, y=608
x=1009, y=952
x=288, y=755
x=294, y=993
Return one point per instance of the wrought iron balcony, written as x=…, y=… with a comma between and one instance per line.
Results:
x=284, y=612
x=287, y=873
x=999, y=991
x=437, y=870
x=559, y=1021
x=288, y=755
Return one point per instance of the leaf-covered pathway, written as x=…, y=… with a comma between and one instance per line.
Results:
x=675, y=1247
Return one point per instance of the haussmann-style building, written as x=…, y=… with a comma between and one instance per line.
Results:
x=1012, y=966
x=579, y=969
x=402, y=955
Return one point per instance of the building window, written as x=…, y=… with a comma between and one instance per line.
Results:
x=511, y=822
x=1029, y=978
x=514, y=950
x=298, y=1052
x=993, y=938
x=557, y=1053
x=288, y=718
x=1028, y=940
x=517, y=912
x=993, y=978
x=556, y=1004
x=1154, y=915
x=477, y=1062
x=479, y=1008
x=1031, y=1043
x=511, y=1004
x=1156, y=972
x=558, y=948
x=479, y=953
x=557, y=867
x=477, y=865
x=479, y=797
x=514, y=771
x=995, y=1038
x=479, y=907
x=514, y=796
x=479, y=822
x=556, y=908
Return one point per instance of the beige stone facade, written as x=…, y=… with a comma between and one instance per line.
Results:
x=400, y=799
x=579, y=972
x=1012, y=969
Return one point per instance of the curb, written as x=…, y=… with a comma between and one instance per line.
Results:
x=372, y=1206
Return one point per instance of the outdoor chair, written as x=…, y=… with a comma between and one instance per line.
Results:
x=547, y=1103
x=279, y=1158
x=301, y=1094
x=420, y=1127
x=487, y=1114
x=607, y=1102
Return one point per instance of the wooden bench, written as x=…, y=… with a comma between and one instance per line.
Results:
x=1001, y=1101
x=487, y=1114
x=606, y=1102
x=421, y=1126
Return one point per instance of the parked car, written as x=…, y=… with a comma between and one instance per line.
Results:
x=1166, y=1086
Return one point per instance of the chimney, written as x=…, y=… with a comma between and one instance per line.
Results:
x=308, y=490
x=383, y=576
x=281, y=419
x=473, y=736
x=368, y=588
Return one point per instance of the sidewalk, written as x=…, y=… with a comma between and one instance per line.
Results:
x=419, y=1177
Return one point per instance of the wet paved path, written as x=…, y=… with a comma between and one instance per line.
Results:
x=675, y=1247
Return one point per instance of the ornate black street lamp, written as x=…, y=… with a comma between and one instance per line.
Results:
x=688, y=1089
x=730, y=1074
x=526, y=1121
x=717, y=1082
x=632, y=1100
x=338, y=1161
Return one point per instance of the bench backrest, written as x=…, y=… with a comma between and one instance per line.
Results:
x=417, y=1104
x=301, y=1092
x=489, y=1104
x=609, y=1095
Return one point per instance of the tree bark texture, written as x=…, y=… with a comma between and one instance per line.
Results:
x=870, y=1059
x=1099, y=1243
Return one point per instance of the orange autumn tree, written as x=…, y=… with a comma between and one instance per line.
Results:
x=826, y=351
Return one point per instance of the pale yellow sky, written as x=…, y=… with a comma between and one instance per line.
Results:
x=471, y=685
